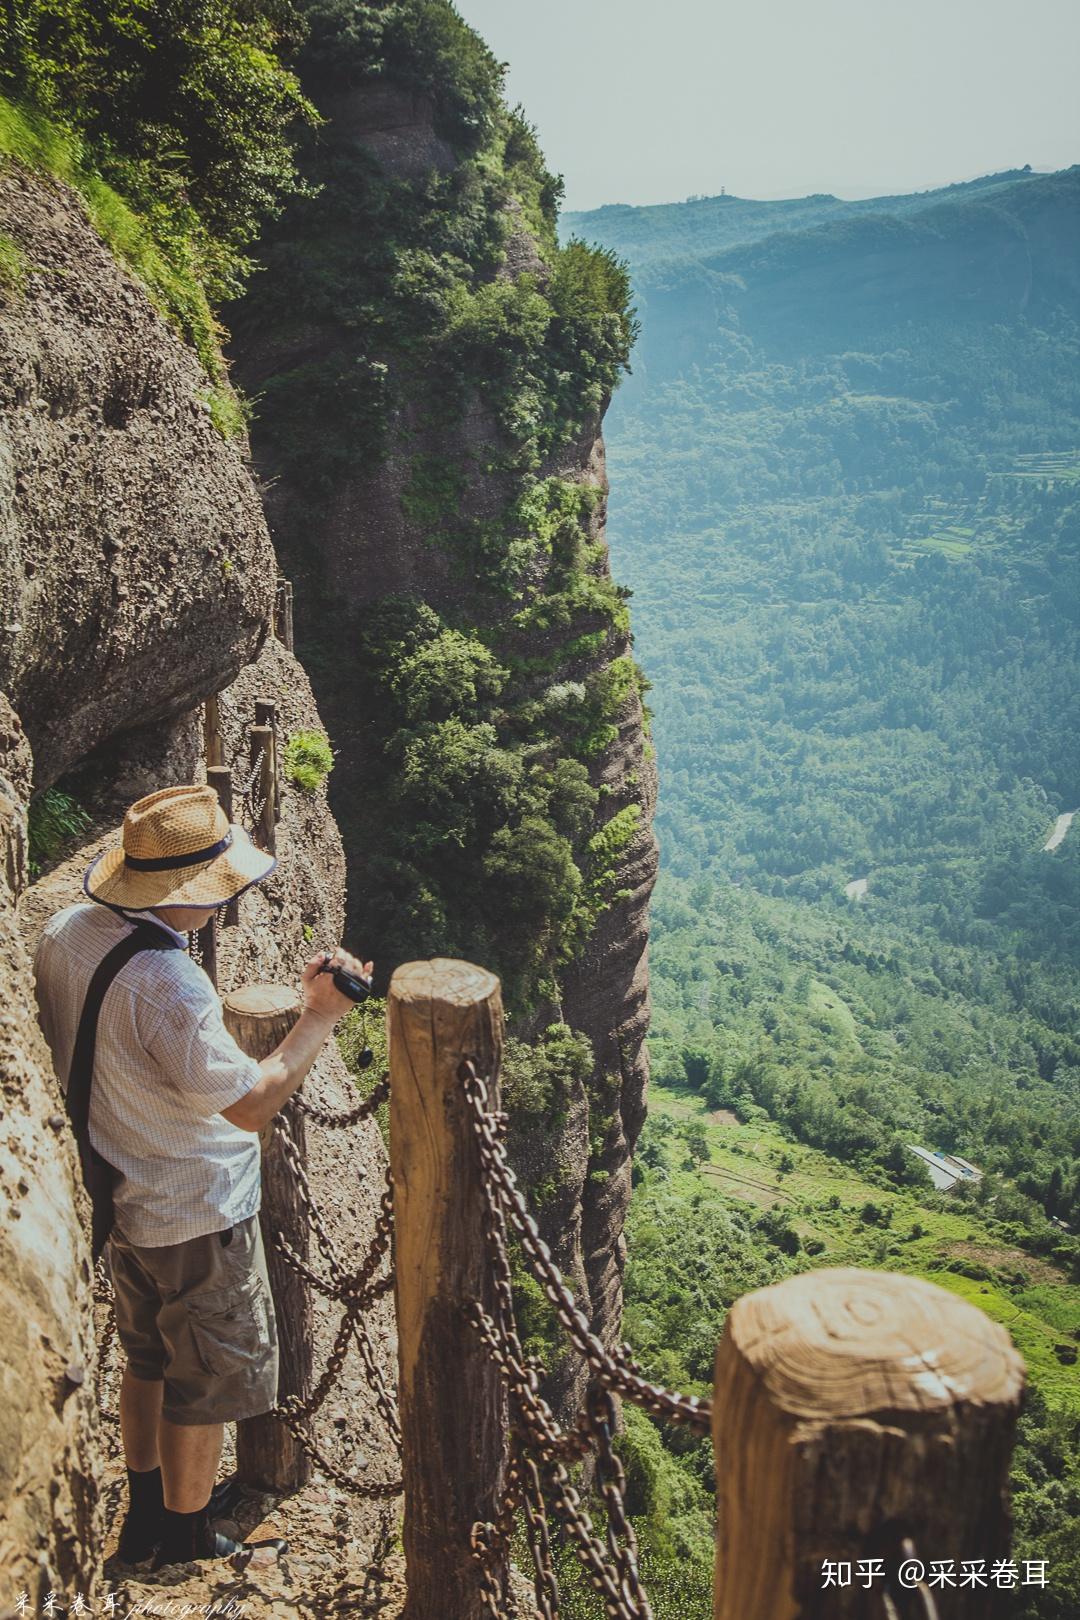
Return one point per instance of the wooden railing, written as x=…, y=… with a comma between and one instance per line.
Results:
x=859, y=1418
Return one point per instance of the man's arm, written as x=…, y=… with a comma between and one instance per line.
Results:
x=285, y=1068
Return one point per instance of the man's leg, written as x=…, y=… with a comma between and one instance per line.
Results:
x=141, y=1393
x=140, y=1413
x=190, y=1453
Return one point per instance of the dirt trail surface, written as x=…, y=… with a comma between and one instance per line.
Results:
x=329, y=1571
x=1061, y=827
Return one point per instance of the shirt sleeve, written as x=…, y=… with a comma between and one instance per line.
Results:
x=199, y=1057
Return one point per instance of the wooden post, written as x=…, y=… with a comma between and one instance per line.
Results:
x=450, y=1394
x=266, y=715
x=219, y=777
x=283, y=613
x=214, y=744
x=851, y=1408
x=261, y=754
x=267, y=1455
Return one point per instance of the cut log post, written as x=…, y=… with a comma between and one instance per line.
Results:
x=266, y=715
x=214, y=743
x=219, y=777
x=283, y=613
x=451, y=1396
x=261, y=761
x=268, y=1456
x=852, y=1409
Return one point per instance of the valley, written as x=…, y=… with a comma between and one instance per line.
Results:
x=844, y=492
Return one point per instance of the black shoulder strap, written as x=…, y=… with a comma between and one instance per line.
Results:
x=144, y=937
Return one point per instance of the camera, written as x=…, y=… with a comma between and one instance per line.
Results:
x=353, y=985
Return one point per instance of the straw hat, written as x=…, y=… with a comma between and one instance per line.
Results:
x=179, y=849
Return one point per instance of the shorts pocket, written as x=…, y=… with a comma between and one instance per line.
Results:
x=230, y=1327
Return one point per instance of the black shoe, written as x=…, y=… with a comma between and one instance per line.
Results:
x=225, y=1498
x=139, y=1538
x=188, y=1539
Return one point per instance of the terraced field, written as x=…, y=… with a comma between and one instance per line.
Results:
x=830, y=1207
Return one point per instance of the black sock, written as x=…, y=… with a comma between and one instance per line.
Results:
x=187, y=1536
x=145, y=1493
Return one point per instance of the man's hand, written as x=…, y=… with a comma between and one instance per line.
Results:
x=321, y=994
x=284, y=1070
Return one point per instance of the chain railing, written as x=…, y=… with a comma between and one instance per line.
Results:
x=471, y=1396
x=541, y=1448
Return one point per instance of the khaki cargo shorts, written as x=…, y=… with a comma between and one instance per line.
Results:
x=200, y=1316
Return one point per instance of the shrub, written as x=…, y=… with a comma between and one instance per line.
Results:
x=55, y=819
x=186, y=111
x=309, y=759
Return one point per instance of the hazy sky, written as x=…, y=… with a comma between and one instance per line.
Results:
x=652, y=100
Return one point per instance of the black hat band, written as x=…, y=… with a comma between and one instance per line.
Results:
x=170, y=863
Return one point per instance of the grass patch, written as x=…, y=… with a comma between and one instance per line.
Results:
x=54, y=821
x=309, y=759
x=173, y=287
x=229, y=411
x=12, y=268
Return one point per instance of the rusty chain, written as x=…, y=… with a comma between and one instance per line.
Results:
x=357, y=1291
x=353, y=1318
x=341, y=1121
x=540, y=1447
x=616, y=1368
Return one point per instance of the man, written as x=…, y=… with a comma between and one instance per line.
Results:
x=175, y=1109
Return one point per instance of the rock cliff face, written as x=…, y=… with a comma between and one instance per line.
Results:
x=366, y=541
x=52, y=1523
x=135, y=568
x=136, y=578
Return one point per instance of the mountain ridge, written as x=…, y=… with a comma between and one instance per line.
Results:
x=628, y=227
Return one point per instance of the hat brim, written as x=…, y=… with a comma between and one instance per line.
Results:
x=222, y=878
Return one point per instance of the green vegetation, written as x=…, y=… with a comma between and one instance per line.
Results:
x=228, y=411
x=54, y=821
x=365, y=1027
x=484, y=707
x=176, y=127
x=843, y=488
x=12, y=268
x=408, y=270
x=463, y=795
x=308, y=759
x=757, y=1206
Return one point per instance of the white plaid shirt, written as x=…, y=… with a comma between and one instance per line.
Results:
x=165, y=1067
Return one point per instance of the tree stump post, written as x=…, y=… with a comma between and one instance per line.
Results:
x=268, y=1455
x=266, y=715
x=852, y=1409
x=261, y=760
x=283, y=613
x=219, y=777
x=451, y=1396
x=214, y=743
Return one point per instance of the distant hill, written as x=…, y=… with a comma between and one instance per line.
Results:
x=845, y=488
x=706, y=225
